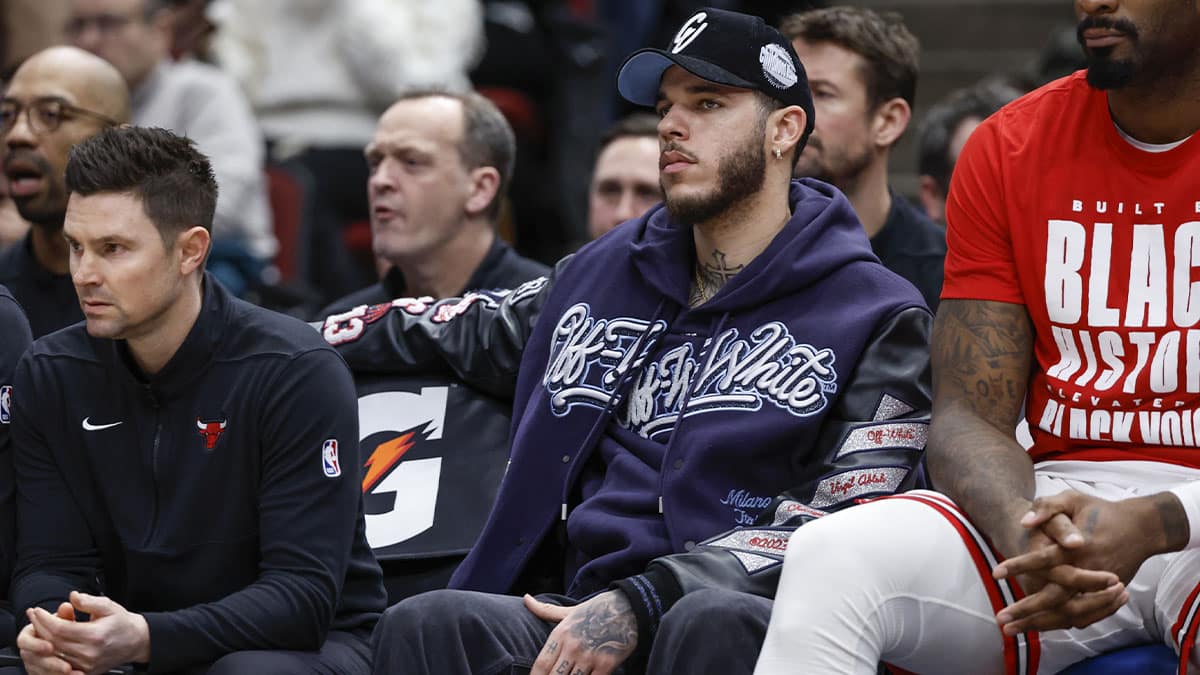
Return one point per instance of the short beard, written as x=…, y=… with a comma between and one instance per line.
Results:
x=740, y=174
x=51, y=214
x=850, y=168
x=50, y=220
x=1104, y=72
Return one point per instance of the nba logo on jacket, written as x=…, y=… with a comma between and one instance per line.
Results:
x=329, y=459
x=6, y=404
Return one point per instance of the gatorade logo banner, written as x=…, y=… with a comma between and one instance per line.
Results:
x=433, y=452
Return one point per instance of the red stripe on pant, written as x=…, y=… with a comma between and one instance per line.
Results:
x=1185, y=632
x=976, y=544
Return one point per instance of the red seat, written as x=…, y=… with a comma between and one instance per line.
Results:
x=286, y=192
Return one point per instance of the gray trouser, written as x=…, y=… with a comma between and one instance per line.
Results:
x=465, y=633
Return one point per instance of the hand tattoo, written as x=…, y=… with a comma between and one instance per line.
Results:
x=563, y=668
x=606, y=624
x=710, y=277
x=1093, y=518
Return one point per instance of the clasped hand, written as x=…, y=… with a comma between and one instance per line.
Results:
x=57, y=643
x=1079, y=553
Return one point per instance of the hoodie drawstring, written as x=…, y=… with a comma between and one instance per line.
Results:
x=619, y=389
x=716, y=327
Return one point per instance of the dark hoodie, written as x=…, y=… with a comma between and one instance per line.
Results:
x=676, y=456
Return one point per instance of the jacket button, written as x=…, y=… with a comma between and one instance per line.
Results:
x=566, y=459
x=678, y=464
x=689, y=545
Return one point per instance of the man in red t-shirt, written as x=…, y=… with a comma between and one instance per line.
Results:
x=1071, y=285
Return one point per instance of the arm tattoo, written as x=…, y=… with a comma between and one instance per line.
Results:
x=982, y=352
x=981, y=356
x=710, y=277
x=608, y=626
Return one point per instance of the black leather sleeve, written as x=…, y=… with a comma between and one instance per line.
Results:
x=871, y=444
x=480, y=336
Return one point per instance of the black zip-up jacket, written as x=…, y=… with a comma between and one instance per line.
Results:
x=220, y=498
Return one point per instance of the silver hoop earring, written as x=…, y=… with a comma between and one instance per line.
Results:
x=778, y=154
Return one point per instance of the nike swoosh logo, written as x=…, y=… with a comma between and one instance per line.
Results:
x=87, y=426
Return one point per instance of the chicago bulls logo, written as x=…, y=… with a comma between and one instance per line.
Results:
x=211, y=431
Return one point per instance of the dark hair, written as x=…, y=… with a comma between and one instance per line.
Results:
x=487, y=137
x=891, y=51
x=943, y=118
x=172, y=178
x=635, y=125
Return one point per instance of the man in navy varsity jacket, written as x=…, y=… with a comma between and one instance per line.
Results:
x=737, y=358
x=191, y=457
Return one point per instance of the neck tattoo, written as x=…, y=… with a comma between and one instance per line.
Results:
x=710, y=277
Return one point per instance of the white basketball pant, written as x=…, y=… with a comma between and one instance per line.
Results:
x=907, y=580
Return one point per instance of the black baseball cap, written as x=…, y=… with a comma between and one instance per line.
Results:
x=730, y=48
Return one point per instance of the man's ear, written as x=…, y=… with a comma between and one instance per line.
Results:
x=933, y=200
x=485, y=183
x=889, y=122
x=193, y=245
x=786, y=127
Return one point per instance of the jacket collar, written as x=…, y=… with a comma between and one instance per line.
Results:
x=192, y=357
x=396, y=287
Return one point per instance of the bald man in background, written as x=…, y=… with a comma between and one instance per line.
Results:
x=57, y=98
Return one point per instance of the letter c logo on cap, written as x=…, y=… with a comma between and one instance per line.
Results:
x=692, y=28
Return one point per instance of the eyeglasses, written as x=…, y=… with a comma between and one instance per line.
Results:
x=106, y=24
x=44, y=115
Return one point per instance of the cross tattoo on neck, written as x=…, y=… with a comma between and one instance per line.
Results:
x=711, y=277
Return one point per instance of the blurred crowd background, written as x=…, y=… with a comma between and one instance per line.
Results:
x=316, y=75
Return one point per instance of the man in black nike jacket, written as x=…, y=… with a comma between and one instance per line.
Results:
x=186, y=463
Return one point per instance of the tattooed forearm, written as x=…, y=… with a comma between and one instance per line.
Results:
x=606, y=624
x=711, y=276
x=981, y=354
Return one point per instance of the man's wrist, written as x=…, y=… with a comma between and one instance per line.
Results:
x=142, y=639
x=1013, y=538
x=1160, y=522
x=1179, y=511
